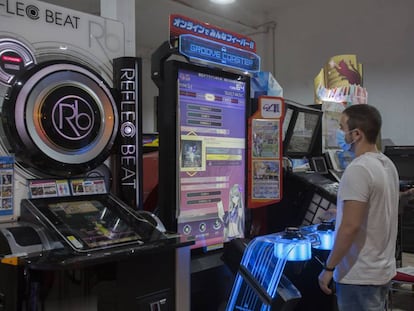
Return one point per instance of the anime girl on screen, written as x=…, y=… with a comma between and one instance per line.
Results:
x=233, y=218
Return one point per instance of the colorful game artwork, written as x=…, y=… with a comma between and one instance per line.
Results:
x=265, y=138
x=265, y=159
x=266, y=175
x=6, y=186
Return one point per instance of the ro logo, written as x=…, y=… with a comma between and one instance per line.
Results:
x=73, y=117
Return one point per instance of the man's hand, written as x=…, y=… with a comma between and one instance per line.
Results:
x=325, y=278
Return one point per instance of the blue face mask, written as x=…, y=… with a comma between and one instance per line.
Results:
x=340, y=140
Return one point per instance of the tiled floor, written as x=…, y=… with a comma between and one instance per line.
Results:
x=403, y=301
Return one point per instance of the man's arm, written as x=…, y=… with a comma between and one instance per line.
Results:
x=354, y=214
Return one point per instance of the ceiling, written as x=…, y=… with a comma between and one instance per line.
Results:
x=251, y=13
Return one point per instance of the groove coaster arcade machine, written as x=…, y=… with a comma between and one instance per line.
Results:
x=59, y=123
x=203, y=104
x=202, y=74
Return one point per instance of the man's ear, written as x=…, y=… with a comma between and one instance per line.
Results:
x=358, y=132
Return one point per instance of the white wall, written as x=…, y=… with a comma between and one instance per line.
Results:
x=379, y=32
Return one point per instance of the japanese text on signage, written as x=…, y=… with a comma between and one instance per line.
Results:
x=181, y=24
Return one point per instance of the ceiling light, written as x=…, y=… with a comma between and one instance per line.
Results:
x=223, y=1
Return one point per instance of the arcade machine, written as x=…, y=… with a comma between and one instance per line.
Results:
x=203, y=105
x=402, y=157
x=309, y=200
x=261, y=283
x=65, y=239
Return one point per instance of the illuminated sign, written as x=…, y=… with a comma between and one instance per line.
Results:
x=180, y=25
x=127, y=81
x=214, y=52
x=11, y=59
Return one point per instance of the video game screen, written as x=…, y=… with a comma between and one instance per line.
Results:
x=302, y=137
x=305, y=127
x=89, y=224
x=212, y=156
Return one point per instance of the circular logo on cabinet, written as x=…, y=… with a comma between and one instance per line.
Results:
x=61, y=118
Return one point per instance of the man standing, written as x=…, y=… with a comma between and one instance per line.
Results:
x=362, y=260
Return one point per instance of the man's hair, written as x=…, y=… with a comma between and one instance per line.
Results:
x=366, y=118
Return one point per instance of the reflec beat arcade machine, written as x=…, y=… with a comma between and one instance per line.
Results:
x=67, y=95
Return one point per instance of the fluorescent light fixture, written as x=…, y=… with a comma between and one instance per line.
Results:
x=223, y=1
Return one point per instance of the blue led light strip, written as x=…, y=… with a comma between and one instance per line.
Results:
x=261, y=270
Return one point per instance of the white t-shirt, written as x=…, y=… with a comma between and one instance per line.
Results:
x=371, y=178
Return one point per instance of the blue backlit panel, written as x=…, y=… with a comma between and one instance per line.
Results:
x=213, y=52
x=261, y=272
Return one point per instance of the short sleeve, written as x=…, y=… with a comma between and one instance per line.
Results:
x=355, y=184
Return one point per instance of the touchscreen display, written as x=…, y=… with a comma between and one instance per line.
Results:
x=89, y=224
x=212, y=128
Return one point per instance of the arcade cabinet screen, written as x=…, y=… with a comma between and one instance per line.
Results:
x=405, y=167
x=89, y=224
x=212, y=127
x=403, y=159
x=302, y=131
